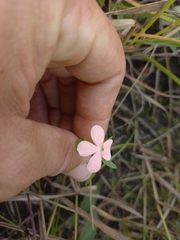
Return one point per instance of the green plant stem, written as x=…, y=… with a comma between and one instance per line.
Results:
x=76, y=218
x=163, y=69
x=123, y=147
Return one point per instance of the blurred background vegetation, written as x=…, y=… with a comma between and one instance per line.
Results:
x=141, y=198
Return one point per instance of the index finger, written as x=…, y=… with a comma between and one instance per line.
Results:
x=94, y=104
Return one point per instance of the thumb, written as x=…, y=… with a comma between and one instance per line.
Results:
x=34, y=150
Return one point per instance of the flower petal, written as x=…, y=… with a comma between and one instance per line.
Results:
x=86, y=148
x=106, y=153
x=97, y=135
x=94, y=163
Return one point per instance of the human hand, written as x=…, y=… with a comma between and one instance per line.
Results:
x=43, y=113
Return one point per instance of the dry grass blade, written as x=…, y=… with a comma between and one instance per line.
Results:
x=166, y=212
x=107, y=215
x=119, y=203
x=163, y=135
x=147, y=8
x=32, y=197
x=152, y=37
x=155, y=103
x=175, y=209
x=120, y=24
x=104, y=214
x=164, y=183
x=150, y=88
x=156, y=196
x=147, y=227
x=154, y=155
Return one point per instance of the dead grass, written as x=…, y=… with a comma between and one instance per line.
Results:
x=141, y=199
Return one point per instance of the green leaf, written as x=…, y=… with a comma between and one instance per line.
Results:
x=109, y=164
x=88, y=232
x=78, y=141
x=110, y=138
x=144, y=113
x=101, y=3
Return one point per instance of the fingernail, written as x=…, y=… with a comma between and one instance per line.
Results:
x=80, y=173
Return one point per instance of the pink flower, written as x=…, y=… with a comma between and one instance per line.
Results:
x=100, y=149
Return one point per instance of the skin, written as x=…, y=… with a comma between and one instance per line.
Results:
x=61, y=68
